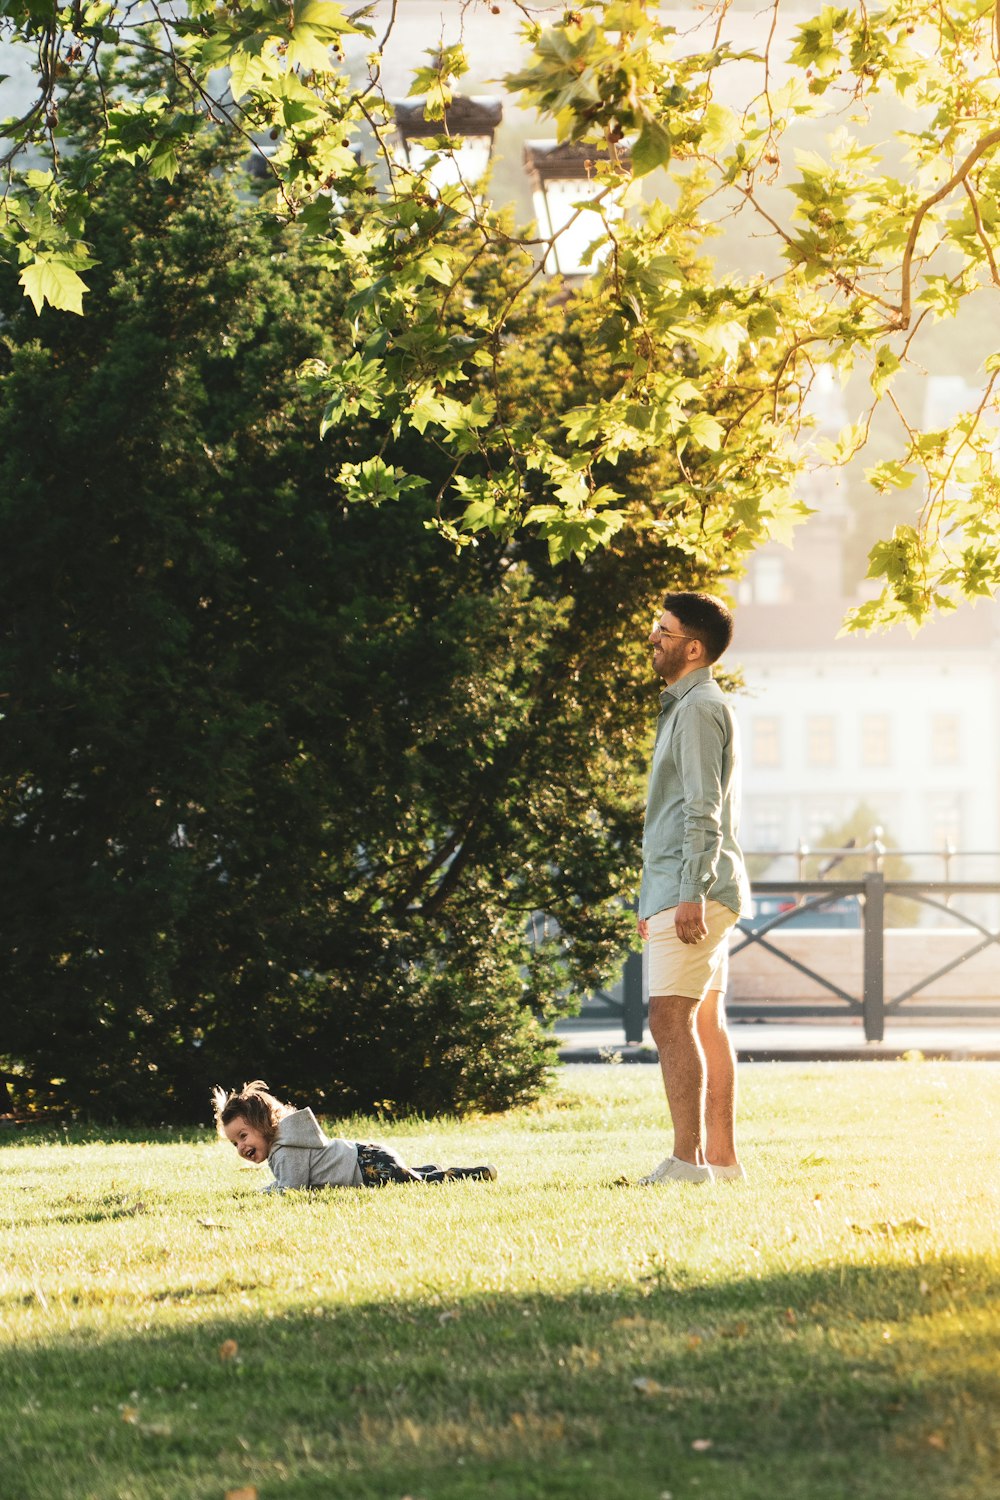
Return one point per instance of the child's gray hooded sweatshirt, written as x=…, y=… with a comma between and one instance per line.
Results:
x=303, y=1157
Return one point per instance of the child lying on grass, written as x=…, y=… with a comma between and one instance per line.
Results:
x=301, y=1156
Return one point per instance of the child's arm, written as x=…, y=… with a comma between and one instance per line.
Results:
x=290, y=1166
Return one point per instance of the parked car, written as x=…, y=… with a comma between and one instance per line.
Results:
x=842, y=912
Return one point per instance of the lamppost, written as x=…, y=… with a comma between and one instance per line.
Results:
x=469, y=124
x=562, y=178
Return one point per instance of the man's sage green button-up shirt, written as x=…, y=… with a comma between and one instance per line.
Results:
x=689, y=844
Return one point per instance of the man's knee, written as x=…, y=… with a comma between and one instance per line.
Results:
x=670, y=1015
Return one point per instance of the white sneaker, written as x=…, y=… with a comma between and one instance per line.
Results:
x=734, y=1173
x=672, y=1169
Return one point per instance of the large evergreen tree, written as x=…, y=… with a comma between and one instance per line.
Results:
x=286, y=777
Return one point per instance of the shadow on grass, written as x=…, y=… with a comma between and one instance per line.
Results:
x=839, y=1382
x=86, y=1209
x=46, y=1133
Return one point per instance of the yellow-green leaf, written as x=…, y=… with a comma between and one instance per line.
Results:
x=720, y=128
x=885, y=367
x=322, y=15
x=651, y=150
x=48, y=279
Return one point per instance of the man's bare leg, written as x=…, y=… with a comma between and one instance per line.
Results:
x=720, y=1081
x=682, y=1063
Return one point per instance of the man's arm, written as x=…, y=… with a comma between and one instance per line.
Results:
x=698, y=748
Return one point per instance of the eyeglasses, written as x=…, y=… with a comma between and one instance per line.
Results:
x=659, y=631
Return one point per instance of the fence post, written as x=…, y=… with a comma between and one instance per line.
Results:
x=632, y=1008
x=874, y=992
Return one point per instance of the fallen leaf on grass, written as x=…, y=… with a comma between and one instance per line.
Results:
x=130, y=1414
x=531, y=1425
x=647, y=1386
x=581, y=1357
x=228, y=1350
x=937, y=1440
x=890, y=1227
x=701, y=1445
x=791, y=1318
x=248, y=1492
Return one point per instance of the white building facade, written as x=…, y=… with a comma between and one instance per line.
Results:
x=908, y=727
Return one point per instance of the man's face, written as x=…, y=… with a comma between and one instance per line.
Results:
x=670, y=642
x=249, y=1142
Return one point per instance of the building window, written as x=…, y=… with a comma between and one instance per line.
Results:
x=766, y=741
x=945, y=822
x=819, y=816
x=821, y=740
x=945, y=397
x=944, y=740
x=769, y=580
x=875, y=740
x=767, y=827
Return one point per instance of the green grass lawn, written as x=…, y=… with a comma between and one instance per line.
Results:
x=824, y=1330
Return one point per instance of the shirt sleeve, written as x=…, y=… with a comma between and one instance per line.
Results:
x=698, y=750
x=290, y=1166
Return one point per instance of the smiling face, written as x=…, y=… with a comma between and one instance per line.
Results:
x=250, y=1143
x=673, y=655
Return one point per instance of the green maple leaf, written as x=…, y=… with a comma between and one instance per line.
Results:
x=652, y=149
x=316, y=26
x=49, y=279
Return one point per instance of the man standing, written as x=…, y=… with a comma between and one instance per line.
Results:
x=694, y=888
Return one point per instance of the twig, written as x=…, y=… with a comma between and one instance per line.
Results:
x=981, y=232
x=992, y=138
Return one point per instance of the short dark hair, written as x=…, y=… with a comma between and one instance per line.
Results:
x=704, y=617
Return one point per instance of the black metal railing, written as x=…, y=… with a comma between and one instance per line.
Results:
x=797, y=896
x=872, y=1004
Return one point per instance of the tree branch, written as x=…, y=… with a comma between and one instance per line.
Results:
x=992, y=138
x=981, y=232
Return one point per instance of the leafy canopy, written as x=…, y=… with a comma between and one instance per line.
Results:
x=864, y=256
x=288, y=783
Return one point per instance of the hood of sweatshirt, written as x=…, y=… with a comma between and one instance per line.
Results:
x=300, y=1128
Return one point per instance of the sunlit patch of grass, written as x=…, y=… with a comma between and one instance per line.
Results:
x=825, y=1330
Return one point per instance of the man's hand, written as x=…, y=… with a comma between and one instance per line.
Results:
x=642, y=928
x=689, y=921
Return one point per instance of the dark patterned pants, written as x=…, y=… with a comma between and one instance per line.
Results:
x=380, y=1164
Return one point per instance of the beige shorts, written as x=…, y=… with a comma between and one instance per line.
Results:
x=690, y=969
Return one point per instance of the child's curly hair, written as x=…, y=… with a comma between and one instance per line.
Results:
x=252, y=1103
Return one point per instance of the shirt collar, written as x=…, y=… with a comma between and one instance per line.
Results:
x=676, y=692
